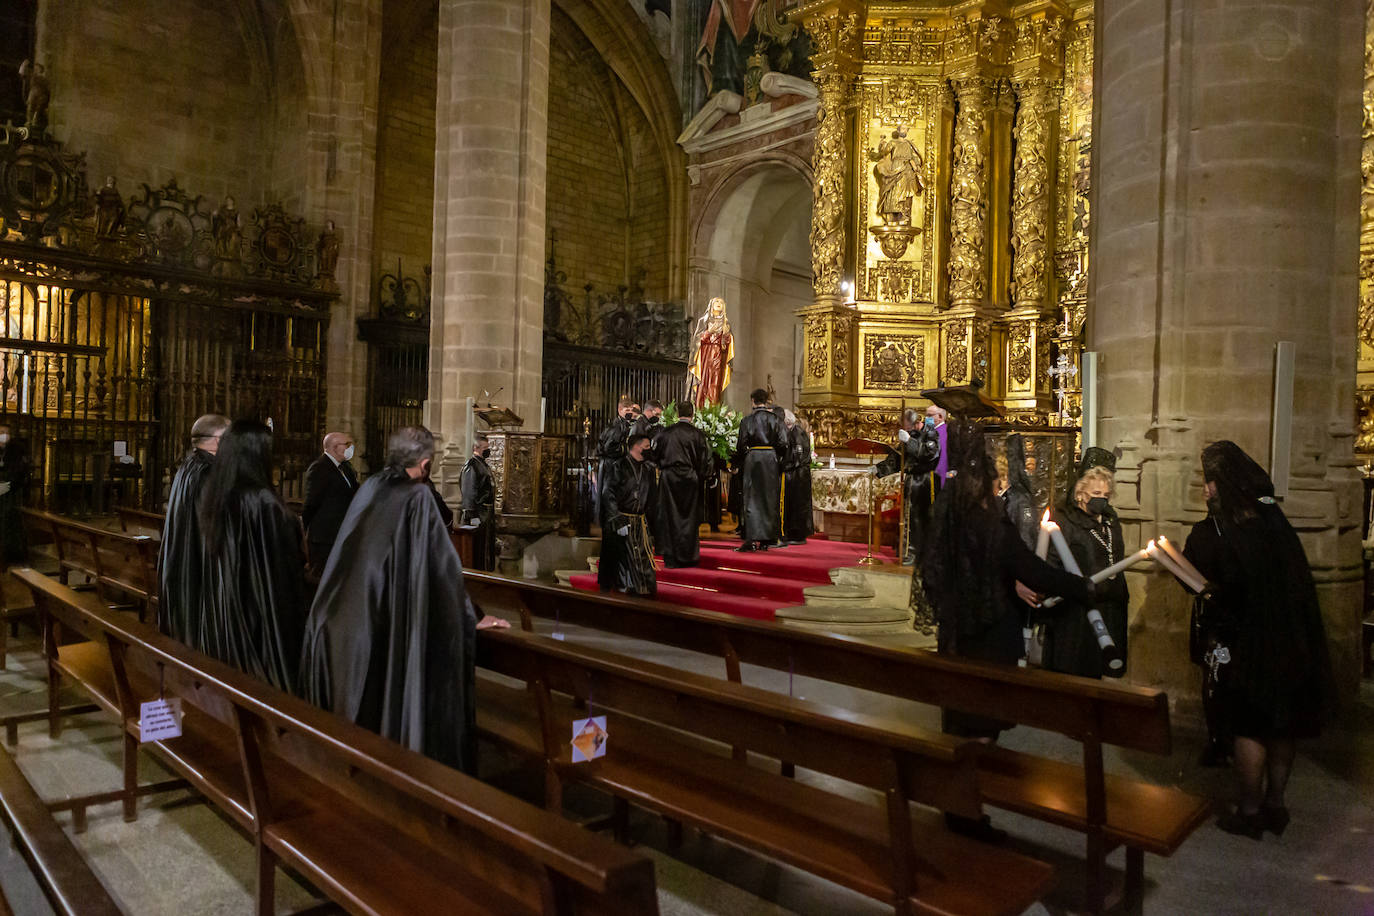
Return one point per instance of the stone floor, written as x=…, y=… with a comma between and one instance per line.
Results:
x=180, y=857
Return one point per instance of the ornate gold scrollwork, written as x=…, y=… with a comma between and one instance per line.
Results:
x=1031, y=195
x=816, y=350
x=1020, y=352
x=969, y=194
x=956, y=350
x=839, y=336
x=828, y=169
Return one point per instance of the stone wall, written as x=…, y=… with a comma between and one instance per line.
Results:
x=607, y=194
x=405, y=144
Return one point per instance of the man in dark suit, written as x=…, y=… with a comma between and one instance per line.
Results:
x=479, y=504
x=330, y=483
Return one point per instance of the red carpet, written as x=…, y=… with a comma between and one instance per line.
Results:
x=751, y=584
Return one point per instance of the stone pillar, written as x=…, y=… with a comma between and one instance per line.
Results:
x=968, y=249
x=1227, y=178
x=486, y=329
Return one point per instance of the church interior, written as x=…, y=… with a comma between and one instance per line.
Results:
x=1123, y=228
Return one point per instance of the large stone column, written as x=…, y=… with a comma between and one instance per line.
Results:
x=486, y=330
x=1226, y=175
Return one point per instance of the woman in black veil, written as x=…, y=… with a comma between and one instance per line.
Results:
x=972, y=560
x=1261, y=606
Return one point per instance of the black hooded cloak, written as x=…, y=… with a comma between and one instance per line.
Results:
x=685, y=462
x=1262, y=603
x=797, y=524
x=1019, y=498
x=181, y=561
x=254, y=597
x=390, y=638
x=917, y=459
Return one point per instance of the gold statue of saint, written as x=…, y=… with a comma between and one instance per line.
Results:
x=712, y=355
x=897, y=170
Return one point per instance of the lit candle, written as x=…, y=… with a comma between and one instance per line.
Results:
x=1042, y=543
x=1196, y=580
x=1110, y=572
x=1160, y=556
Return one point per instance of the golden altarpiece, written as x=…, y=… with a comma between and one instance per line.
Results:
x=949, y=223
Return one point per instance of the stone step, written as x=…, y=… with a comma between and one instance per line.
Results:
x=848, y=619
x=838, y=594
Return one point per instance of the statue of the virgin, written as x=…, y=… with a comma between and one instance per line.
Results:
x=712, y=355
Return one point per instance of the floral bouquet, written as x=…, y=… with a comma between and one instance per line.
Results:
x=718, y=422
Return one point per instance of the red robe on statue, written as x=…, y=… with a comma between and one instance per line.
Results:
x=711, y=365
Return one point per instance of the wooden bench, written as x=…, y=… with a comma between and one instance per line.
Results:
x=122, y=567
x=1110, y=810
x=59, y=869
x=679, y=745
x=141, y=521
x=376, y=827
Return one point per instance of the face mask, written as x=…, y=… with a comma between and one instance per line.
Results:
x=348, y=453
x=485, y=453
x=930, y=422
x=1098, y=505
x=4, y=438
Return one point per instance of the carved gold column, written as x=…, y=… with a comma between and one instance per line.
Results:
x=968, y=253
x=1071, y=263
x=1364, y=391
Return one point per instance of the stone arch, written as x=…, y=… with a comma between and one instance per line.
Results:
x=625, y=45
x=751, y=246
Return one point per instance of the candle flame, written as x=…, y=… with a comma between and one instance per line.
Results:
x=1046, y=517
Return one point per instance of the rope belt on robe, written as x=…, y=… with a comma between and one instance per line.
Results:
x=643, y=522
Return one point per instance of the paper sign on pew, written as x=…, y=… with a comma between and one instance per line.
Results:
x=589, y=737
x=159, y=719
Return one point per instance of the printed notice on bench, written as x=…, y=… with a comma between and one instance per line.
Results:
x=589, y=739
x=159, y=719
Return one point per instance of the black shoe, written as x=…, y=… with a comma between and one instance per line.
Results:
x=746, y=547
x=1275, y=819
x=1242, y=824
x=980, y=829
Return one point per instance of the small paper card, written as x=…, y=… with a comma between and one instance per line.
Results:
x=589, y=737
x=159, y=719
x=558, y=635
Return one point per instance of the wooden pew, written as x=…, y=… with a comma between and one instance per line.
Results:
x=671, y=734
x=60, y=870
x=1110, y=810
x=376, y=827
x=141, y=521
x=122, y=567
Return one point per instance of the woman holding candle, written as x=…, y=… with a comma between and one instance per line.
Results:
x=1262, y=605
x=1093, y=532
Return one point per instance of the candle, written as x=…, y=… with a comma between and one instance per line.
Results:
x=1061, y=547
x=1196, y=580
x=1110, y=572
x=1161, y=557
x=1111, y=653
x=1042, y=543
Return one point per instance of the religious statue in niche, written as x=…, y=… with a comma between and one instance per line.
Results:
x=228, y=239
x=326, y=256
x=897, y=167
x=37, y=95
x=109, y=210
x=712, y=356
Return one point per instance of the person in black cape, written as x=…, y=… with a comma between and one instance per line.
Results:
x=389, y=641
x=759, y=453
x=1093, y=532
x=686, y=464
x=797, y=524
x=15, y=469
x=1017, y=496
x=610, y=446
x=1264, y=601
x=627, y=546
x=917, y=455
x=181, y=559
x=254, y=583
x=330, y=483
x=650, y=424
x=479, y=504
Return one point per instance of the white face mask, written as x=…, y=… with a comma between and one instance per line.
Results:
x=4, y=438
x=348, y=453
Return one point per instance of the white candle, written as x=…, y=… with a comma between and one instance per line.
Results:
x=1061, y=547
x=1110, y=572
x=1196, y=580
x=1160, y=556
x=1042, y=543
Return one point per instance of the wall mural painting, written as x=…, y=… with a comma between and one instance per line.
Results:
x=741, y=40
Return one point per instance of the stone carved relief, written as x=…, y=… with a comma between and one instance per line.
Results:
x=1030, y=209
x=832, y=427
x=956, y=350
x=968, y=194
x=895, y=281
x=894, y=362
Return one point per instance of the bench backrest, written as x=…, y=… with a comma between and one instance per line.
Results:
x=531, y=855
x=141, y=521
x=881, y=753
x=1086, y=710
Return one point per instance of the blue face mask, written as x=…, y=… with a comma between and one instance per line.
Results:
x=930, y=422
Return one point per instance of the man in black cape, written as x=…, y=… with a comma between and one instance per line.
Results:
x=797, y=524
x=181, y=562
x=685, y=463
x=650, y=424
x=918, y=453
x=627, y=548
x=610, y=446
x=389, y=641
x=479, y=504
x=762, y=447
